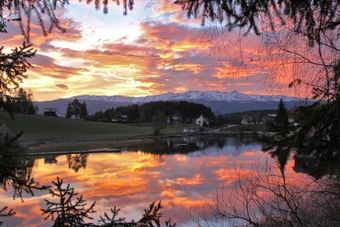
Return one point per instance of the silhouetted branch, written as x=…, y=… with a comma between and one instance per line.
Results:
x=310, y=17
x=6, y=212
x=113, y=219
x=24, y=11
x=70, y=209
x=265, y=198
x=14, y=65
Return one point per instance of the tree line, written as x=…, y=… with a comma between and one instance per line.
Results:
x=20, y=102
x=76, y=110
x=183, y=110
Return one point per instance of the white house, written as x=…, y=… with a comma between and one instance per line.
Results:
x=244, y=122
x=201, y=121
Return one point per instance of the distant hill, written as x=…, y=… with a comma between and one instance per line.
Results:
x=219, y=102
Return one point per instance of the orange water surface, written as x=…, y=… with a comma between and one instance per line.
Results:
x=186, y=183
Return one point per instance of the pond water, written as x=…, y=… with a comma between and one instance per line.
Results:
x=184, y=174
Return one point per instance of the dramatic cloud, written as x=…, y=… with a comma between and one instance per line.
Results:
x=62, y=86
x=154, y=49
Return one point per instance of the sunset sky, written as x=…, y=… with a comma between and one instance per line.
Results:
x=152, y=50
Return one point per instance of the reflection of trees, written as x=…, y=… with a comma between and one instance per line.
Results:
x=221, y=143
x=77, y=161
x=315, y=139
x=68, y=208
x=185, y=145
x=16, y=172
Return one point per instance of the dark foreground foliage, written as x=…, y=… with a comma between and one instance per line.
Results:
x=310, y=18
x=71, y=209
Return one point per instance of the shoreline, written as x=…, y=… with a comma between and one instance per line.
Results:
x=84, y=145
x=35, y=146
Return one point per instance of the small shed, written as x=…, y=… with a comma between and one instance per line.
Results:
x=52, y=112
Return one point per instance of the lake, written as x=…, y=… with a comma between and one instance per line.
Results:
x=183, y=173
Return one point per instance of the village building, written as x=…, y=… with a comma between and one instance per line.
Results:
x=202, y=121
x=247, y=120
x=244, y=122
x=52, y=112
x=120, y=118
x=198, y=125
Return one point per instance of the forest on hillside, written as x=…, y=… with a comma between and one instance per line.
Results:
x=179, y=111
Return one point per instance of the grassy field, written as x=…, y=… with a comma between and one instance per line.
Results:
x=43, y=128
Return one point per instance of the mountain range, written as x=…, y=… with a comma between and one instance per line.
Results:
x=219, y=102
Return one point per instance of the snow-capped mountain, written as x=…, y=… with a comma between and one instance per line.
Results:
x=219, y=102
x=231, y=96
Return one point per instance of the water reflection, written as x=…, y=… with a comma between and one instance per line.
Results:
x=316, y=165
x=76, y=161
x=16, y=174
x=187, y=145
x=183, y=173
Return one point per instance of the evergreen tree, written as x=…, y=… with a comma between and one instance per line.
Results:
x=68, y=111
x=76, y=109
x=13, y=65
x=281, y=119
x=22, y=102
x=70, y=209
x=83, y=111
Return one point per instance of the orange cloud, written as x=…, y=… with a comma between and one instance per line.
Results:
x=164, y=53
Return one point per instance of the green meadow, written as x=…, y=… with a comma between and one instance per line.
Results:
x=44, y=128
